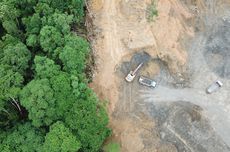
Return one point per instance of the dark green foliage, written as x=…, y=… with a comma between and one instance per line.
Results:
x=60, y=139
x=10, y=26
x=45, y=101
x=10, y=84
x=60, y=21
x=44, y=9
x=14, y=58
x=22, y=138
x=74, y=54
x=9, y=17
x=38, y=98
x=61, y=85
x=33, y=26
x=17, y=56
x=74, y=7
x=45, y=67
x=90, y=121
x=50, y=39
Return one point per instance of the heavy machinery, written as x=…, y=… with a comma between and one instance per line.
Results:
x=132, y=74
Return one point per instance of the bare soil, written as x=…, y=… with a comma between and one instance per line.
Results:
x=184, y=49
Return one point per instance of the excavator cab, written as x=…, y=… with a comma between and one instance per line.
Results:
x=132, y=74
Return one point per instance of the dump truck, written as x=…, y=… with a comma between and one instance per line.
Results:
x=132, y=74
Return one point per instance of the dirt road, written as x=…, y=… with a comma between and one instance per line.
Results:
x=185, y=49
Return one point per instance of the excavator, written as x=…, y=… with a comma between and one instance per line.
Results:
x=132, y=74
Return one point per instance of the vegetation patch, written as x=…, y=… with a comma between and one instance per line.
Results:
x=45, y=101
x=112, y=147
x=152, y=11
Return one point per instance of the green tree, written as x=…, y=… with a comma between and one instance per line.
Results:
x=45, y=67
x=17, y=56
x=60, y=139
x=74, y=7
x=10, y=84
x=60, y=82
x=77, y=9
x=8, y=15
x=90, y=121
x=33, y=26
x=50, y=40
x=53, y=87
x=61, y=85
x=44, y=9
x=8, y=40
x=60, y=21
x=50, y=95
x=22, y=138
x=74, y=54
x=38, y=98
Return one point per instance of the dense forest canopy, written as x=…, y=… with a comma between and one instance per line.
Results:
x=45, y=103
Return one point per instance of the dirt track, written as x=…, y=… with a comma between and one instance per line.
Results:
x=185, y=49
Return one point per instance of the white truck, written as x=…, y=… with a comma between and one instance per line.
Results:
x=147, y=82
x=214, y=87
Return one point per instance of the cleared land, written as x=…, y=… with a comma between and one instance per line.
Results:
x=185, y=49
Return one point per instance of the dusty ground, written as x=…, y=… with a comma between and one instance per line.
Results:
x=185, y=49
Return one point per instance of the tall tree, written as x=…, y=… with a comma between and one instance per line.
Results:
x=50, y=40
x=16, y=56
x=38, y=98
x=9, y=17
x=60, y=139
x=90, y=123
x=10, y=84
x=74, y=54
x=22, y=138
x=45, y=67
x=60, y=21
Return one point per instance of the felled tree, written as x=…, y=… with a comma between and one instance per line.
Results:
x=60, y=139
x=22, y=138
